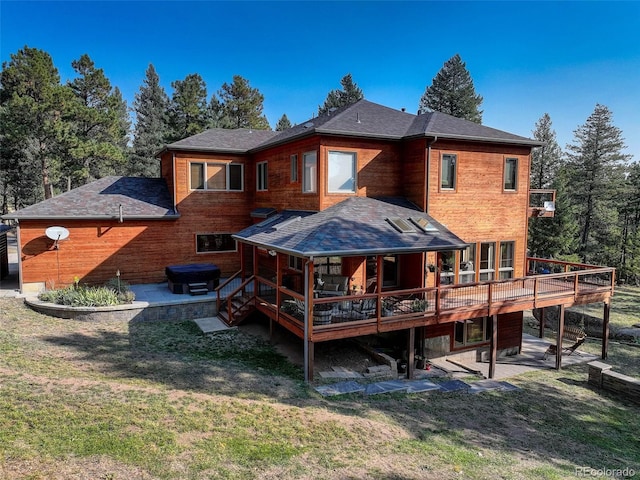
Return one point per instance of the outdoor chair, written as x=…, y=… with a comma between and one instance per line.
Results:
x=575, y=335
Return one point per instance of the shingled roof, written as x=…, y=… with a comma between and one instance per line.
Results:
x=239, y=140
x=361, y=119
x=141, y=198
x=355, y=226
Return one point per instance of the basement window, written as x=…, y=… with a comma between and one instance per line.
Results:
x=472, y=332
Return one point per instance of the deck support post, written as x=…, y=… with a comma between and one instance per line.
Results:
x=411, y=349
x=542, y=323
x=559, y=336
x=493, y=346
x=308, y=317
x=605, y=330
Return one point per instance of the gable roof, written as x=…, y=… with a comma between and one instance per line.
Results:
x=141, y=198
x=355, y=226
x=361, y=119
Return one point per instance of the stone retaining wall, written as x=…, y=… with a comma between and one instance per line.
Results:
x=136, y=311
x=601, y=376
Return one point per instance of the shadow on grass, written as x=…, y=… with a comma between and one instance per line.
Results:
x=178, y=355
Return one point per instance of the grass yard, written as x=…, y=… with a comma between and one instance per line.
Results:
x=159, y=400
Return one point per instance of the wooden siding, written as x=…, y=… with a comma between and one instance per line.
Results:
x=413, y=172
x=281, y=193
x=479, y=210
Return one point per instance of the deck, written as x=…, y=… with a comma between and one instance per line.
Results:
x=337, y=317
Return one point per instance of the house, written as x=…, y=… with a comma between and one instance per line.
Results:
x=361, y=221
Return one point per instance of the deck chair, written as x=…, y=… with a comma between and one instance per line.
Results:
x=572, y=334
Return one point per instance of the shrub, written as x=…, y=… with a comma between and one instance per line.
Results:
x=85, y=296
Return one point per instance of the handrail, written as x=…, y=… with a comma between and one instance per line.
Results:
x=219, y=288
x=233, y=293
x=564, y=263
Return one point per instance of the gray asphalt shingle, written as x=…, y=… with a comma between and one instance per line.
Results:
x=141, y=198
x=355, y=226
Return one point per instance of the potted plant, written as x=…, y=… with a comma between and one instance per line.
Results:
x=419, y=305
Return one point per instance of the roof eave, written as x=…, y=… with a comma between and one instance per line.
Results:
x=90, y=217
x=237, y=151
x=471, y=138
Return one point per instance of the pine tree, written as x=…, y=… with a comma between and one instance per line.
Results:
x=283, y=124
x=101, y=125
x=349, y=94
x=150, y=106
x=34, y=127
x=242, y=105
x=452, y=91
x=596, y=173
x=546, y=159
x=188, y=107
x=547, y=236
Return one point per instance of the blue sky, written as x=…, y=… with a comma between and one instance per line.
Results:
x=526, y=58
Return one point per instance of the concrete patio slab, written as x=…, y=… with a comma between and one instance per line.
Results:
x=419, y=386
x=211, y=325
x=340, y=388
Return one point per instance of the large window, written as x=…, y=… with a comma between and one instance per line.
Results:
x=215, y=242
x=310, y=172
x=471, y=332
x=487, y=261
x=511, y=174
x=262, y=173
x=294, y=168
x=467, y=272
x=448, y=172
x=216, y=176
x=447, y=262
x=506, y=260
x=341, y=177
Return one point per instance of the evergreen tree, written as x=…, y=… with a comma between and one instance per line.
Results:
x=188, y=107
x=33, y=126
x=216, y=117
x=150, y=106
x=547, y=236
x=349, y=94
x=628, y=264
x=452, y=91
x=283, y=124
x=596, y=174
x=101, y=125
x=242, y=105
x=546, y=159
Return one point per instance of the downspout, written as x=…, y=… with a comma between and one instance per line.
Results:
x=173, y=172
x=305, y=344
x=19, y=250
x=427, y=167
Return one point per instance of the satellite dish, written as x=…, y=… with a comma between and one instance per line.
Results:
x=57, y=233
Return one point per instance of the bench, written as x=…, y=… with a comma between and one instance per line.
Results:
x=571, y=334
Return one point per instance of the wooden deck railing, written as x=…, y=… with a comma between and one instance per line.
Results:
x=351, y=315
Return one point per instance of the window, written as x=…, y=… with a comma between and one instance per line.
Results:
x=390, y=271
x=310, y=172
x=448, y=172
x=261, y=176
x=470, y=332
x=341, y=176
x=487, y=261
x=216, y=176
x=294, y=168
x=327, y=265
x=295, y=263
x=506, y=260
x=215, y=242
x=511, y=174
x=447, y=261
x=467, y=272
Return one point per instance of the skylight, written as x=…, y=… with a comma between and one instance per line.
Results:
x=280, y=226
x=401, y=225
x=424, y=224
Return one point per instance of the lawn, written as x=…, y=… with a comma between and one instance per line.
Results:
x=159, y=400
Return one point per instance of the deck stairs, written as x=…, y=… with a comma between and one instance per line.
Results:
x=198, y=289
x=235, y=305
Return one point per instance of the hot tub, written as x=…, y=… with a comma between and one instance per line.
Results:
x=180, y=276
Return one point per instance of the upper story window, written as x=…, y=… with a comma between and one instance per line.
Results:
x=448, y=171
x=506, y=259
x=216, y=176
x=294, y=168
x=341, y=172
x=262, y=173
x=510, y=173
x=310, y=172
